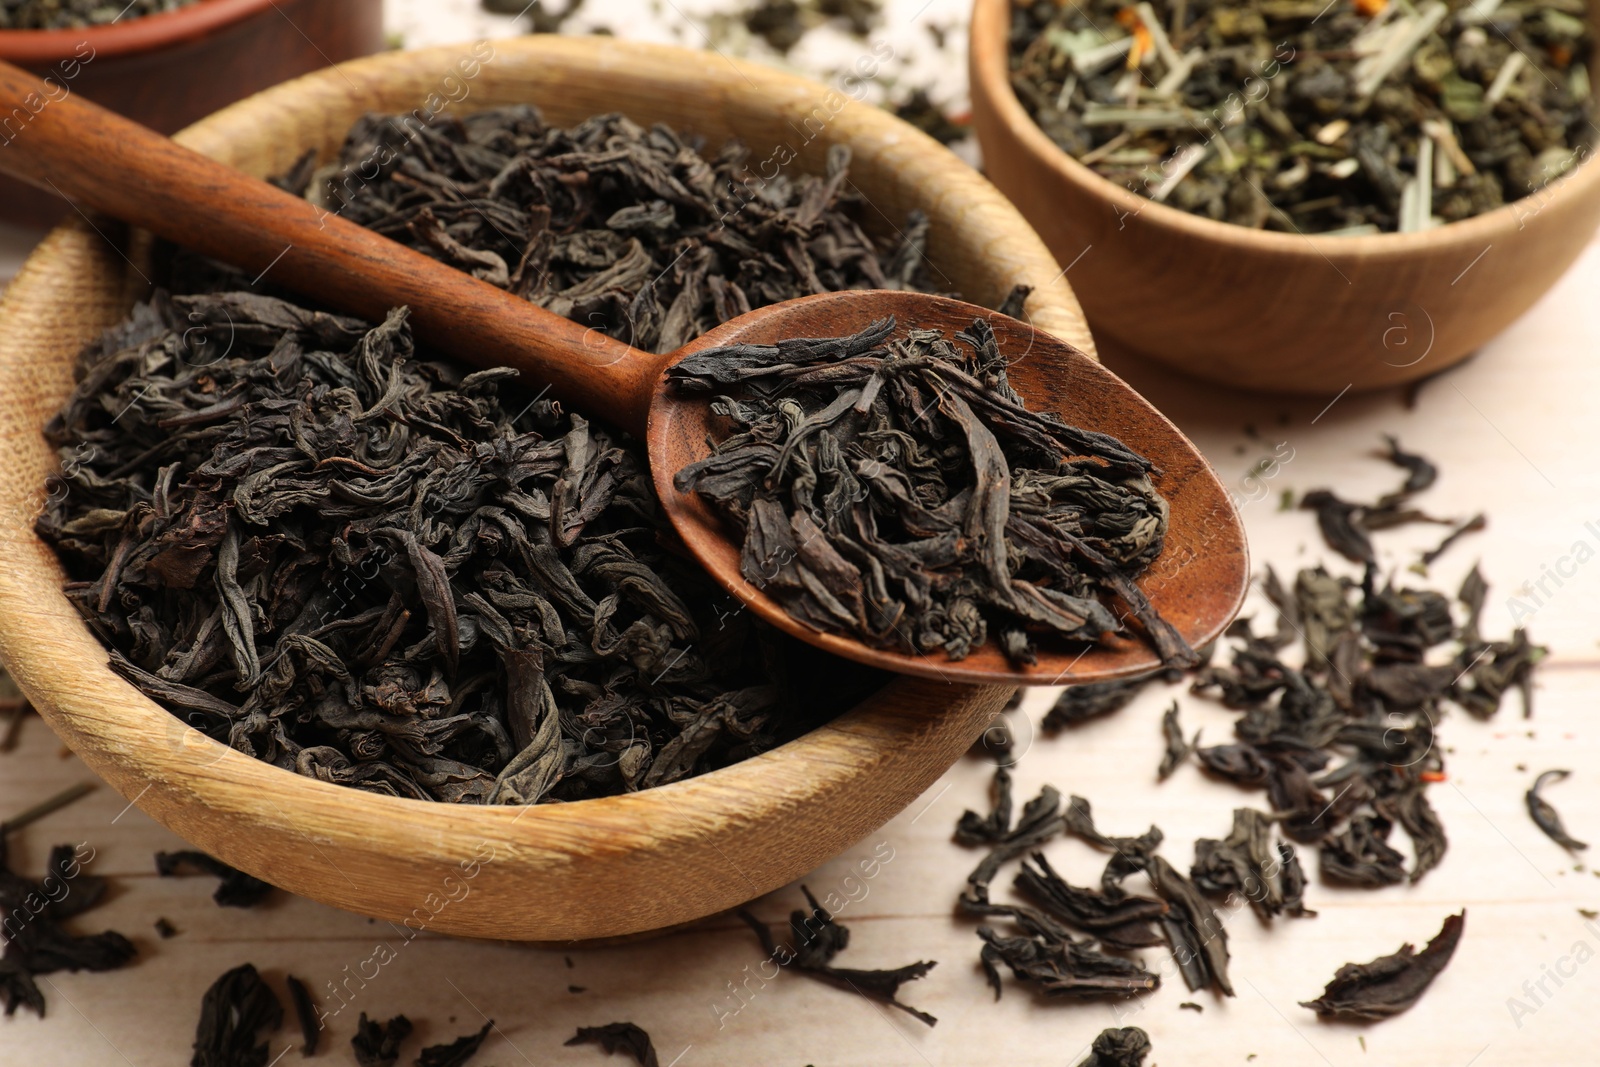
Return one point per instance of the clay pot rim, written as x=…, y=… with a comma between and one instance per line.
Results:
x=149, y=33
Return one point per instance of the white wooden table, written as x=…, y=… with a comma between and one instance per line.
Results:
x=1515, y=434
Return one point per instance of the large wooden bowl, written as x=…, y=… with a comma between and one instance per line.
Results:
x=167, y=70
x=1272, y=311
x=591, y=869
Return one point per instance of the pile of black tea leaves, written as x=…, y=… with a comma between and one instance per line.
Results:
x=375, y=567
x=1339, y=701
x=892, y=486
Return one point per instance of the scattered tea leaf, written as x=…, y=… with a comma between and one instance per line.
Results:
x=619, y=1037
x=1120, y=922
x=305, y=1012
x=236, y=890
x=1178, y=749
x=456, y=1053
x=1390, y=984
x=234, y=1012
x=378, y=1044
x=1545, y=815
x=1118, y=1047
x=33, y=914
x=817, y=939
x=1079, y=703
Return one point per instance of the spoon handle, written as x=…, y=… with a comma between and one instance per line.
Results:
x=58, y=141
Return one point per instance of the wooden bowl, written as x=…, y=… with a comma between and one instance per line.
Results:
x=168, y=70
x=1273, y=311
x=595, y=868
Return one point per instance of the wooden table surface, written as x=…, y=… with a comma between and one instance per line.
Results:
x=1514, y=433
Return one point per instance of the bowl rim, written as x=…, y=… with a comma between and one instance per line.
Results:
x=103, y=717
x=148, y=33
x=989, y=66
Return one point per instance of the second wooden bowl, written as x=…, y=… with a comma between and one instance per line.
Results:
x=1271, y=311
x=592, y=869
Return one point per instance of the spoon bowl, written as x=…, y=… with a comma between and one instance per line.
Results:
x=1197, y=583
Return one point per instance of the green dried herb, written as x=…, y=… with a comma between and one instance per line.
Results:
x=1355, y=117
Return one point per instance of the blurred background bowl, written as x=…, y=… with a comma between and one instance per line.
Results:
x=171, y=69
x=590, y=869
x=1282, y=312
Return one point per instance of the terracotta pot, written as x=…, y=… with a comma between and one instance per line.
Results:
x=169, y=70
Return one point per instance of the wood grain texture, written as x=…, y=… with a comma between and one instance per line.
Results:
x=1272, y=311
x=584, y=870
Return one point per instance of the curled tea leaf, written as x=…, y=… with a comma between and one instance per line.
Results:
x=1545, y=815
x=1390, y=984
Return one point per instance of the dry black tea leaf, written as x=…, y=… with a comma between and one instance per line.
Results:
x=1245, y=863
x=859, y=16
x=1477, y=523
x=378, y=1044
x=1040, y=820
x=778, y=22
x=236, y=890
x=1361, y=855
x=1124, y=921
x=1079, y=703
x=999, y=741
x=1336, y=519
x=619, y=1037
x=322, y=547
x=1420, y=471
x=1390, y=984
x=33, y=914
x=990, y=829
x=1195, y=934
x=892, y=487
x=1177, y=749
x=1118, y=1047
x=305, y=1013
x=456, y=1053
x=1545, y=815
x=1062, y=967
x=237, y=1008
x=817, y=939
x=1408, y=805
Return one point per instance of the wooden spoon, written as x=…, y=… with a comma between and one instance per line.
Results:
x=102, y=161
